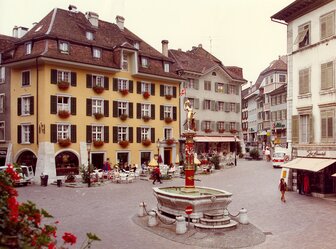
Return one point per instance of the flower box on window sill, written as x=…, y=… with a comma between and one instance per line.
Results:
x=98, y=143
x=63, y=85
x=64, y=142
x=123, y=143
x=207, y=130
x=170, y=141
x=146, y=118
x=168, y=96
x=168, y=120
x=146, y=95
x=63, y=114
x=233, y=131
x=98, y=115
x=221, y=130
x=98, y=89
x=244, y=129
x=146, y=142
x=123, y=117
x=124, y=91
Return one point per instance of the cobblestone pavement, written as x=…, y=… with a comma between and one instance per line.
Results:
x=301, y=222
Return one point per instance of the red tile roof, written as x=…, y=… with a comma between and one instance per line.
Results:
x=6, y=42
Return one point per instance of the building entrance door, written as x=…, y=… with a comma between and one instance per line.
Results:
x=167, y=156
x=97, y=160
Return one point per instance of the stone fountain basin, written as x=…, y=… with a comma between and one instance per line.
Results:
x=173, y=201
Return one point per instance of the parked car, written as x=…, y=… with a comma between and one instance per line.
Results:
x=280, y=157
x=26, y=174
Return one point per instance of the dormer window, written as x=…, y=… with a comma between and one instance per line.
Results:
x=144, y=62
x=28, y=48
x=136, y=45
x=166, y=67
x=124, y=61
x=96, y=53
x=64, y=47
x=89, y=35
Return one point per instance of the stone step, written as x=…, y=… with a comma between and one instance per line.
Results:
x=231, y=225
x=214, y=215
x=221, y=221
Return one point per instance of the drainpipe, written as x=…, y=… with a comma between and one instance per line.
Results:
x=37, y=85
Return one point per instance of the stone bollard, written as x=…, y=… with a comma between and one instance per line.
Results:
x=141, y=211
x=226, y=213
x=152, y=220
x=243, y=219
x=181, y=225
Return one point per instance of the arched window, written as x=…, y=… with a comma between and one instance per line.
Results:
x=67, y=163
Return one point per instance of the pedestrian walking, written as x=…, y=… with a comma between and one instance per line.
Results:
x=157, y=175
x=282, y=188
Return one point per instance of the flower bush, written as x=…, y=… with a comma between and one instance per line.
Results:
x=168, y=120
x=170, y=141
x=63, y=85
x=123, y=91
x=146, y=118
x=123, y=117
x=98, y=89
x=64, y=142
x=168, y=96
x=63, y=114
x=146, y=95
x=233, y=131
x=21, y=224
x=123, y=143
x=221, y=130
x=207, y=130
x=98, y=115
x=98, y=143
x=146, y=142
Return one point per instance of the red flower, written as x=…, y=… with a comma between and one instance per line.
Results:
x=14, y=175
x=13, y=206
x=69, y=238
x=51, y=245
x=37, y=218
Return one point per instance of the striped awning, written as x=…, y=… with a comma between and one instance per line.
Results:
x=216, y=139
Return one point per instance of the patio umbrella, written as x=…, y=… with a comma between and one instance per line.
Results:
x=153, y=163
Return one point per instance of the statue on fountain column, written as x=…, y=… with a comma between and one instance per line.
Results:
x=190, y=122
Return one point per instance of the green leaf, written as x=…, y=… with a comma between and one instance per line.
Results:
x=92, y=236
x=46, y=214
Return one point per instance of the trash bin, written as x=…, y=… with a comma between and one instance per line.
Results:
x=59, y=182
x=44, y=180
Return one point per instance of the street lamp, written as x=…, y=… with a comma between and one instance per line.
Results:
x=158, y=148
x=235, y=138
x=88, y=147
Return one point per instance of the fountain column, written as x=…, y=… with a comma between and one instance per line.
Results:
x=189, y=166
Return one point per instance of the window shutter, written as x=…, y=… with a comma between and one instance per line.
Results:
x=115, y=134
x=53, y=133
x=295, y=129
x=130, y=86
x=197, y=124
x=130, y=110
x=139, y=87
x=161, y=90
x=196, y=103
x=31, y=105
x=311, y=129
x=73, y=133
x=174, y=91
x=196, y=84
x=174, y=113
x=226, y=88
x=89, y=81
x=324, y=126
x=237, y=107
x=115, y=84
x=153, y=135
x=53, y=104
x=106, y=108
x=138, y=111
x=213, y=105
x=216, y=86
x=203, y=104
x=212, y=125
x=138, y=134
x=237, y=90
x=227, y=106
x=88, y=107
x=31, y=134
x=130, y=134
x=238, y=126
x=73, y=106
x=115, y=108
x=73, y=79
x=19, y=107
x=153, y=89
x=89, y=134
x=106, y=134
x=53, y=76
x=19, y=137
x=106, y=83
x=161, y=112
x=203, y=125
x=153, y=111
x=227, y=126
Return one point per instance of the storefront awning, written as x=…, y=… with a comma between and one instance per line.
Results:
x=310, y=164
x=215, y=139
x=334, y=175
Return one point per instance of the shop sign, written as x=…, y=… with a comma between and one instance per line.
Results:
x=314, y=153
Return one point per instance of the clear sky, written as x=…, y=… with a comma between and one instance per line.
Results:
x=238, y=32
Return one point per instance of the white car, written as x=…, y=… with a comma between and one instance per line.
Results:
x=26, y=175
x=279, y=158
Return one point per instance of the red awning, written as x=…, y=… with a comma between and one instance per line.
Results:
x=216, y=139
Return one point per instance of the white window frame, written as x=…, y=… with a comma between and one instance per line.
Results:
x=63, y=47
x=168, y=90
x=283, y=76
x=221, y=125
x=207, y=85
x=96, y=53
x=167, y=111
x=98, y=80
x=207, y=104
x=304, y=129
x=221, y=106
x=190, y=83
x=123, y=133
x=168, y=133
x=166, y=67
x=97, y=106
x=2, y=75
x=28, y=46
x=25, y=105
x=232, y=107
x=123, y=84
x=97, y=133
x=232, y=125
x=62, y=105
x=303, y=31
x=145, y=133
x=144, y=62
x=63, y=131
x=89, y=35
x=2, y=102
x=122, y=107
x=3, y=128
x=145, y=87
x=63, y=75
x=220, y=87
x=25, y=133
x=124, y=61
x=232, y=89
x=145, y=110
x=24, y=84
x=207, y=125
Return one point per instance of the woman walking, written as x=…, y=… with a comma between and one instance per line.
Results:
x=282, y=188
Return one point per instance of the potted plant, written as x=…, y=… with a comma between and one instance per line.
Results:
x=207, y=130
x=146, y=142
x=98, y=89
x=233, y=131
x=170, y=141
x=221, y=130
x=63, y=85
x=123, y=117
x=168, y=96
x=98, y=115
x=63, y=113
x=146, y=95
x=146, y=118
x=168, y=120
x=123, y=91
x=123, y=143
x=98, y=143
x=64, y=142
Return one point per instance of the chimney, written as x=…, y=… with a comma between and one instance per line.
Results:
x=165, y=47
x=15, y=31
x=21, y=31
x=93, y=18
x=199, y=45
x=193, y=47
x=250, y=84
x=72, y=8
x=120, y=22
